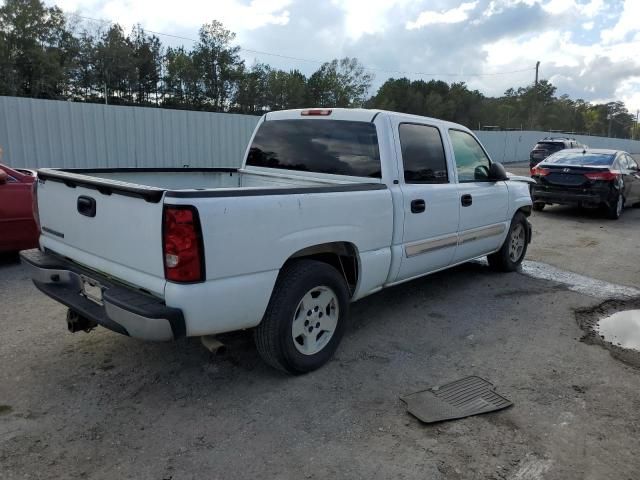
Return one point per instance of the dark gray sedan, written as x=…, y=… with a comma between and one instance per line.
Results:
x=594, y=178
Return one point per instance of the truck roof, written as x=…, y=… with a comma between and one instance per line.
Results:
x=358, y=115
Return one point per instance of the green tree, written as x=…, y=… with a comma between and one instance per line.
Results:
x=182, y=83
x=218, y=64
x=147, y=53
x=251, y=92
x=36, y=50
x=115, y=65
x=339, y=83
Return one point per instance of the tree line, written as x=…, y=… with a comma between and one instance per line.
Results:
x=45, y=54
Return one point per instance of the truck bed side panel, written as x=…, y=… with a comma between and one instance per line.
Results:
x=247, y=239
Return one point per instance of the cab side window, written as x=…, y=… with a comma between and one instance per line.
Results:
x=422, y=154
x=472, y=162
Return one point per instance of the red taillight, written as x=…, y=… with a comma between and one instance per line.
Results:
x=182, y=242
x=540, y=172
x=322, y=112
x=606, y=176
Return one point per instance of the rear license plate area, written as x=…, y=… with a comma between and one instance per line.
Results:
x=565, y=179
x=91, y=290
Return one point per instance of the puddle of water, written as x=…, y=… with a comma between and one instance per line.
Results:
x=621, y=328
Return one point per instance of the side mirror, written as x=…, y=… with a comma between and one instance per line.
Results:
x=497, y=173
x=3, y=177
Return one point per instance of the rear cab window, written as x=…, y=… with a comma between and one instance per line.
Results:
x=338, y=147
x=423, y=156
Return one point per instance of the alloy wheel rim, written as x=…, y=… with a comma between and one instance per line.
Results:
x=315, y=320
x=516, y=243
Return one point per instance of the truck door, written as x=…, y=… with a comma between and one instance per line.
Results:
x=430, y=200
x=483, y=204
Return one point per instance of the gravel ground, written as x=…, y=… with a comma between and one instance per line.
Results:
x=103, y=406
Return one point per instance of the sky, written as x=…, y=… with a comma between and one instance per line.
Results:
x=589, y=49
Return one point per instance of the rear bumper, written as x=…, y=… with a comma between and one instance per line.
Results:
x=564, y=197
x=124, y=309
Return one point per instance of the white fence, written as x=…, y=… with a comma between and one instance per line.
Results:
x=47, y=133
x=514, y=146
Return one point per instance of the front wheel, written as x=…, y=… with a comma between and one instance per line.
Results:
x=305, y=319
x=514, y=248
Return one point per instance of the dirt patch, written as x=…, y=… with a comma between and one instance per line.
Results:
x=588, y=318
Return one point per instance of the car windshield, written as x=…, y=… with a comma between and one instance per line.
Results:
x=549, y=146
x=325, y=146
x=579, y=158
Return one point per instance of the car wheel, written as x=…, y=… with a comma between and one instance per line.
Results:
x=539, y=206
x=305, y=319
x=614, y=210
x=514, y=248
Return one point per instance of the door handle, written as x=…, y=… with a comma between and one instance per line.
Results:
x=466, y=200
x=86, y=206
x=418, y=206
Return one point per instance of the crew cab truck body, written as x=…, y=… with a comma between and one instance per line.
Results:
x=328, y=207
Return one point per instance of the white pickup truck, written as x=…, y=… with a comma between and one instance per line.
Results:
x=329, y=206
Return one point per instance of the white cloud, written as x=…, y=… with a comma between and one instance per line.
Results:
x=588, y=25
x=165, y=14
x=454, y=15
x=627, y=23
x=555, y=7
x=367, y=16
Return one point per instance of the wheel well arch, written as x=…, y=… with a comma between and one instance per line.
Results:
x=526, y=210
x=343, y=256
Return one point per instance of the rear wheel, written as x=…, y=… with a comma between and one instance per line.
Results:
x=514, y=248
x=614, y=209
x=539, y=206
x=305, y=319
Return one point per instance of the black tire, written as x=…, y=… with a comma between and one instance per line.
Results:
x=539, y=206
x=502, y=260
x=273, y=337
x=613, y=211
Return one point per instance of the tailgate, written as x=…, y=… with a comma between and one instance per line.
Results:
x=102, y=226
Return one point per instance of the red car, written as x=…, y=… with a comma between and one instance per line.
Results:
x=18, y=229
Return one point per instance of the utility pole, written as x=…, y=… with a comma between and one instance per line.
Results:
x=635, y=130
x=535, y=98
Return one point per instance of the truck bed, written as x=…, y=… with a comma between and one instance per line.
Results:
x=152, y=182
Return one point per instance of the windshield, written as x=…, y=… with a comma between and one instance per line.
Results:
x=323, y=146
x=579, y=158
